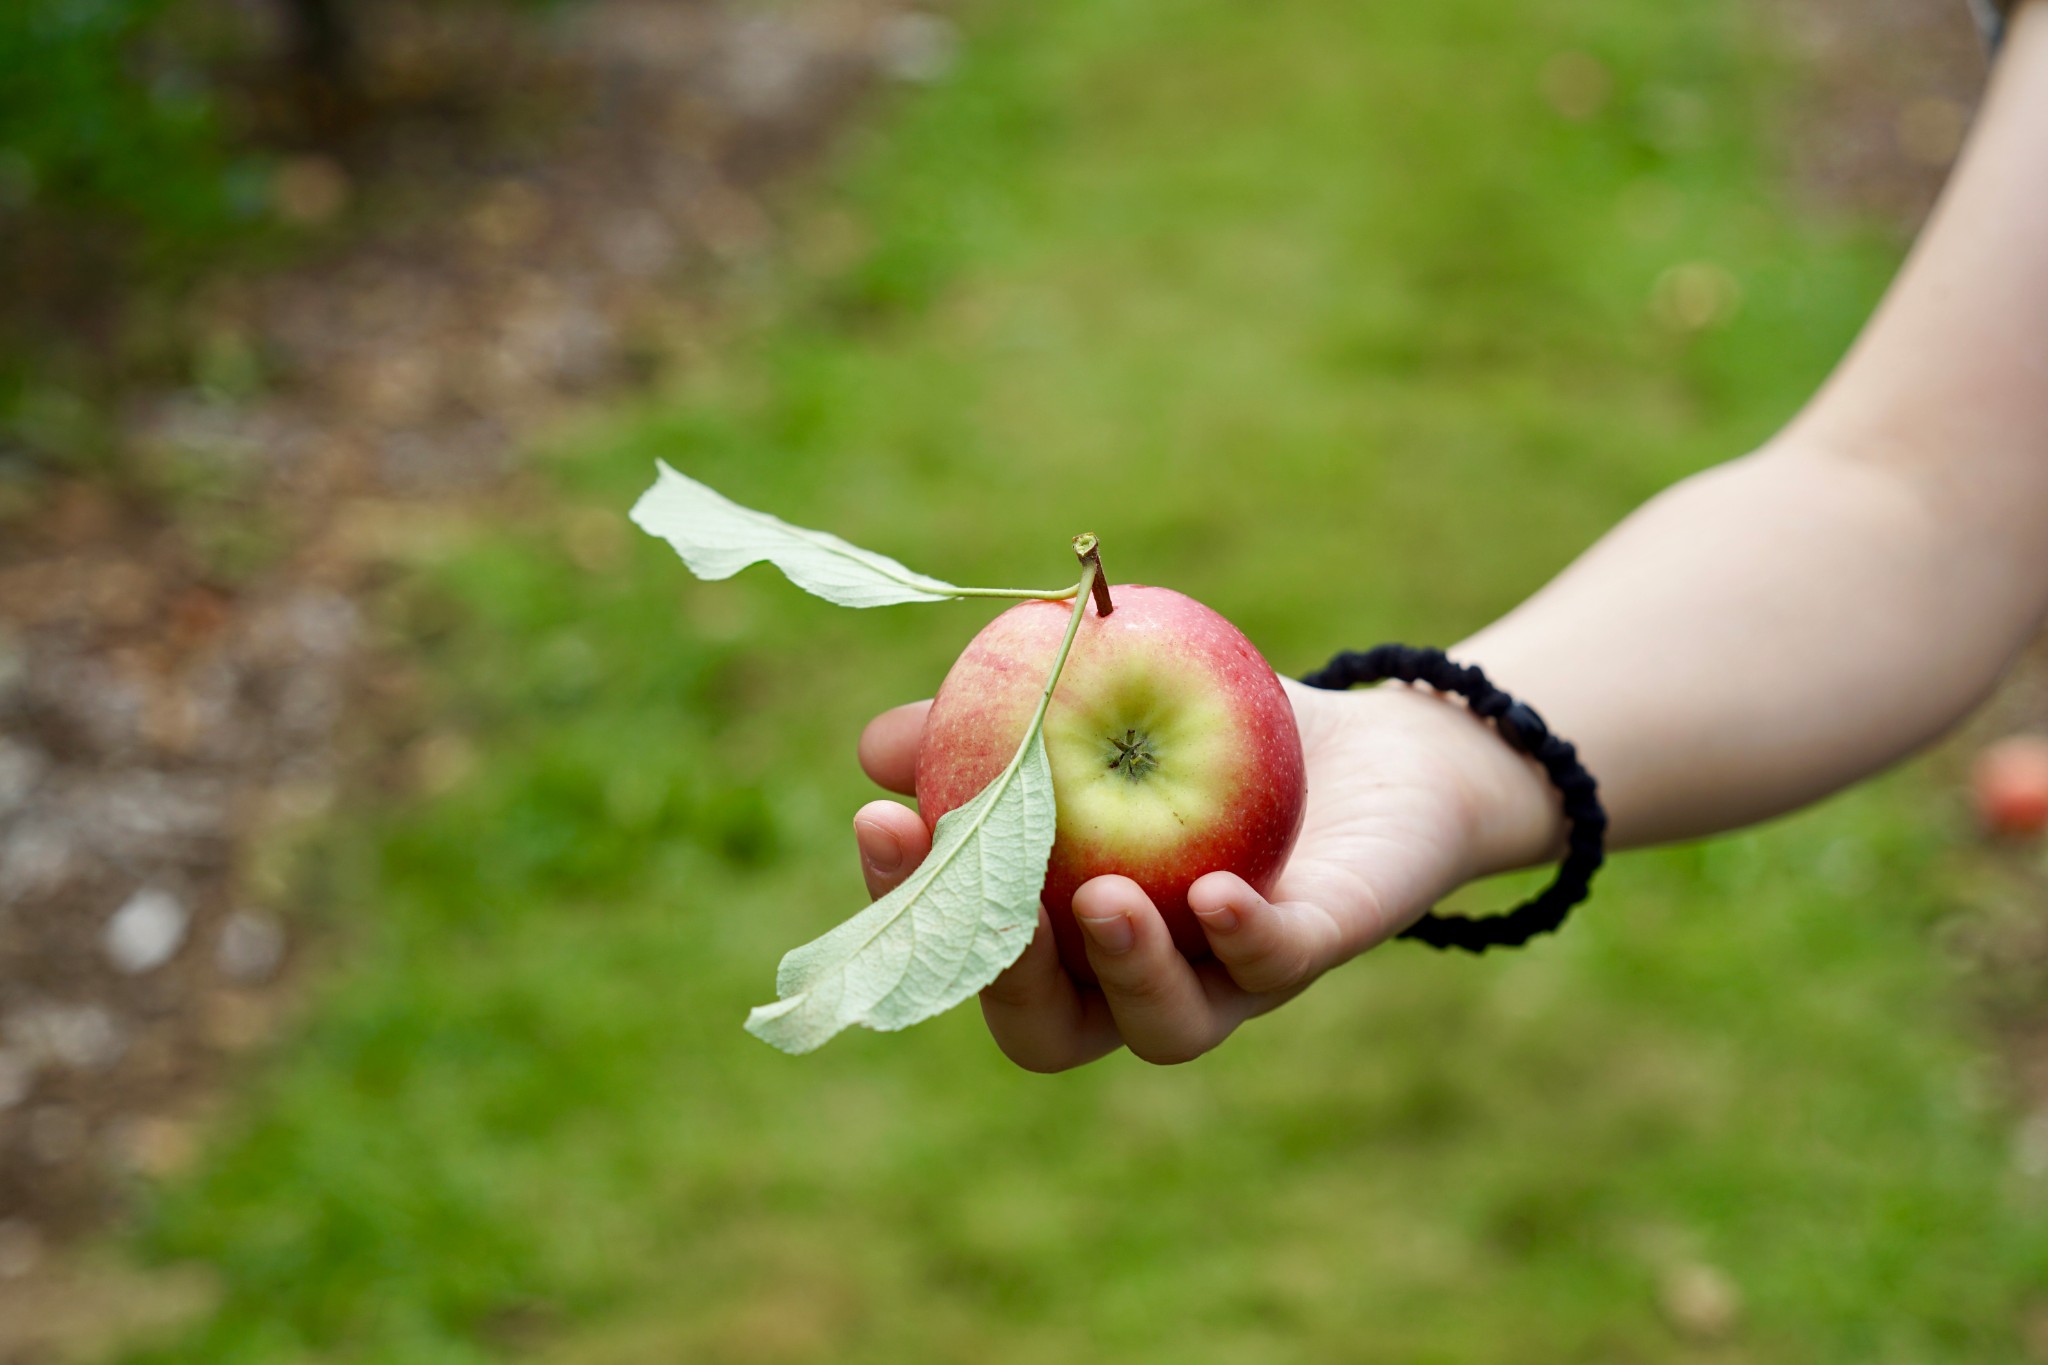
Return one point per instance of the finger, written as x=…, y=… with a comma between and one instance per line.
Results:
x=892, y=840
x=888, y=746
x=1153, y=994
x=1039, y=1017
x=1265, y=947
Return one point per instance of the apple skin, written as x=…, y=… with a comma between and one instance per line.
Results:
x=1214, y=780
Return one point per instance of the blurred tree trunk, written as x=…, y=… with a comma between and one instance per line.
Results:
x=322, y=50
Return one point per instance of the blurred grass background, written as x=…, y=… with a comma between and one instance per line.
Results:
x=1325, y=315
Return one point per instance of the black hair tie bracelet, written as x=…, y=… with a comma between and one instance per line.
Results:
x=1526, y=733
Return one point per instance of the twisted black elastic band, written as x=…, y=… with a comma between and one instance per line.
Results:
x=1525, y=732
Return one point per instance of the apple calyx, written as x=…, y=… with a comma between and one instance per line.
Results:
x=1134, y=757
x=1089, y=551
x=1173, y=748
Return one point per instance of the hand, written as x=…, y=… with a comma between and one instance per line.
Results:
x=1409, y=796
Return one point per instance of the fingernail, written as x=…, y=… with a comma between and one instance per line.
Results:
x=881, y=850
x=1112, y=933
x=1222, y=919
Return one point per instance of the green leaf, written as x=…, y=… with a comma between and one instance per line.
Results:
x=947, y=931
x=717, y=538
x=970, y=908
x=967, y=912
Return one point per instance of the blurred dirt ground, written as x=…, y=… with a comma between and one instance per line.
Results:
x=180, y=647
x=180, y=660
x=1894, y=83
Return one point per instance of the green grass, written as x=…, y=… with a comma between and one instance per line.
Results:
x=1317, y=312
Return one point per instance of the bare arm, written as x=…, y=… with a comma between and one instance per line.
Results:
x=1754, y=638
x=1775, y=628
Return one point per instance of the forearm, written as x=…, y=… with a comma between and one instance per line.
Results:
x=1751, y=640
x=1774, y=629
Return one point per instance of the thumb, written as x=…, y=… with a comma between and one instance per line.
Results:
x=888, y=746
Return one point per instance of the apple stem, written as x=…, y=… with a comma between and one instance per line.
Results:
x=1089, y=552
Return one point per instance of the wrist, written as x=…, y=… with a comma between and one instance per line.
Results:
x=1506, y=812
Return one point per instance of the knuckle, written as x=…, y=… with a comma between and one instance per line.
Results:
x=1270, y=964
x=1167, y=1051
x=1006, y=992
x=1137, y=987
x=1037, y=1062
x=1273, y=971
x=1030, y=1049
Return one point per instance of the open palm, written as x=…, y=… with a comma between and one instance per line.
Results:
x=1402, y=790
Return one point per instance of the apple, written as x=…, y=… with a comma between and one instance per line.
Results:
x=1173, y=749
x=2009, y=785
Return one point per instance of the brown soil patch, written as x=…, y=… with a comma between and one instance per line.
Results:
x=525, y=212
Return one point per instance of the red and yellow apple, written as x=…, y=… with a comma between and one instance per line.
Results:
x=2009, y=786
x=1172, y=744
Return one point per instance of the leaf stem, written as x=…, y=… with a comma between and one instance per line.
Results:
x=933, y=865
x=1079, y=592
x=1090, y=568
x=1027, y=594
x=805, y=1016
